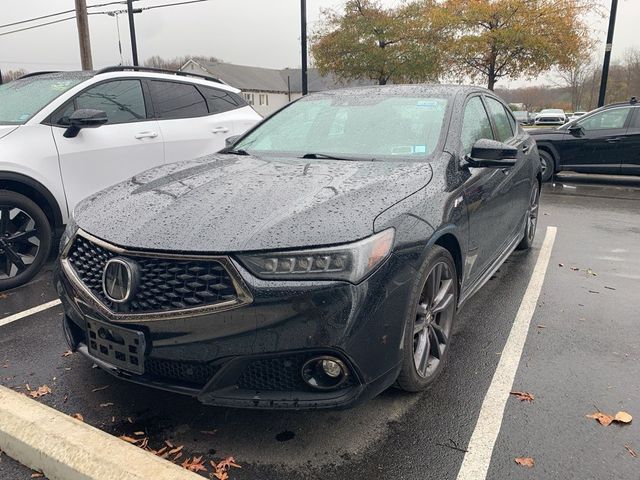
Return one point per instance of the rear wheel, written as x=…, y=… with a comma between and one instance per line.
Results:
x=532, y=218
x=25, y=239
x=430, y=322
x=548, y=165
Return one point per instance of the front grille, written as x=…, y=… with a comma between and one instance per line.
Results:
x=279, y=374
x=165, y=284
x=191, y=373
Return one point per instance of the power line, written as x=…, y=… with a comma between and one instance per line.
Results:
x=42, y=17
x=53, y=22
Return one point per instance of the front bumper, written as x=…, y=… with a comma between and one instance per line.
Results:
x=251, y=356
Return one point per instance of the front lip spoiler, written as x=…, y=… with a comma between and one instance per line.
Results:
x=243, y=295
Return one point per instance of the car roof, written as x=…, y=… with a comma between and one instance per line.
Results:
x=119, y=72
x=412, y=89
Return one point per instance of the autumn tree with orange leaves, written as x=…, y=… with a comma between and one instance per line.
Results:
x=367, y=41
x=495, y=39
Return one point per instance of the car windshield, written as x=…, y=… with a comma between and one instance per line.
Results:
x=23, y=98
x=354, y=126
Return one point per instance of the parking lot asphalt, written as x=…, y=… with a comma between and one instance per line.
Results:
x=581, y=355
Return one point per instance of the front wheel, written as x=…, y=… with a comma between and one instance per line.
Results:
x=429, y=326
x=25, y=239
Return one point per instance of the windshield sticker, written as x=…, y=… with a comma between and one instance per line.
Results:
x=428, y=104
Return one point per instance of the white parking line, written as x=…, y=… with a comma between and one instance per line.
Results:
x=476, y=461
x=26, y=313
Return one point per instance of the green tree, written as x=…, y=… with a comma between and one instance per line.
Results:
x=494, y=39
x=367, y=41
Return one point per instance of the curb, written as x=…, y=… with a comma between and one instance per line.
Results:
x=64, y=448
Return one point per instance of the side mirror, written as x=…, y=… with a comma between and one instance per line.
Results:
x=492, y=154
x=84, y=118
x=229, y=141
x=576, y=130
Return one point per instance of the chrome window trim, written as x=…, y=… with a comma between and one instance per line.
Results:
x=243, y=295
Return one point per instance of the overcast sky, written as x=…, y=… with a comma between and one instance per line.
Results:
x=250, y=32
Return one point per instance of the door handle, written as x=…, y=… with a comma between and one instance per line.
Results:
x=220, y=130
x=613, y=140
x=141, y=135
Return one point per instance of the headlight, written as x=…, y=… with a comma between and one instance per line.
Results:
x=350, y=262
x=68, y=234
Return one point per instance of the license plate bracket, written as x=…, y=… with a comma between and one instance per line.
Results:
x=121, y=347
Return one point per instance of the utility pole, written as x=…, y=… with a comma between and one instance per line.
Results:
x=607, y=53
x=303, y=44
x=132, y=33
x=82, y=20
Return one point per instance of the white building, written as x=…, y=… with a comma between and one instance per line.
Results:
x=266, y=89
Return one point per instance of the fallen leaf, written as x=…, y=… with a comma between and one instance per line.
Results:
x=221, y=468
x=39, y=392
x=168, y=443
x=67, y=353
x=37, y=475
x=593, y=291
x=523, y=396
x=176, y=450
x=609, y=288
x=78, y=416
x=194, y=465
x=561, y=264
x=65, y=398
x=602, y=418
x=129, y=419
x=138, y=433
x=622, y=417
x=525, y=461
x=630, y=450
x=108, y=404
x=98, y=389
x=575, y=269
x=591, y=272
x=128, y=439
x=541, y=326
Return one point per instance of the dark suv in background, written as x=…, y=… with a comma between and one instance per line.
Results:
x=606, y=140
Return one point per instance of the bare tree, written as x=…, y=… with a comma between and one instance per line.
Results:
x=11, y=75
x=574, y=76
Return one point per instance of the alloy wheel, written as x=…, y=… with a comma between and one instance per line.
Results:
x=532, y=218
x=434, y=318
x=19, y=241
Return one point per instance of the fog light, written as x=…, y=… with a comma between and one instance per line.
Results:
x=324, y=373
x=331, y=368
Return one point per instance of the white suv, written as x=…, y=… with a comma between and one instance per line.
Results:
x=52, y=155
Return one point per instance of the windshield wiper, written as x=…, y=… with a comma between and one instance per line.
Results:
x=325, y=156
x=236, y=152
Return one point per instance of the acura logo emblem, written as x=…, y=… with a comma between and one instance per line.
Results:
x=119, y=279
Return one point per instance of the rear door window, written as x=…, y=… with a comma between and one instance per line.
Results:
x=177, y=100
x=614, y=118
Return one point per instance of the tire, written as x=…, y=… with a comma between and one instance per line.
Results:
x=548, y=165
x=532, y=219
x=25, y=239
x=423, y=326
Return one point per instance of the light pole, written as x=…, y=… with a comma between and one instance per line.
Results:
x=132, y=33
x=607, y=53
x=303, y=45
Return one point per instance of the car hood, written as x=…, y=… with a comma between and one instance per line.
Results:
x=227, y=203
x=7, y=129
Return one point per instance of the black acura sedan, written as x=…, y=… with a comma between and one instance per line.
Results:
x=606, y=140
x=319, y=260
